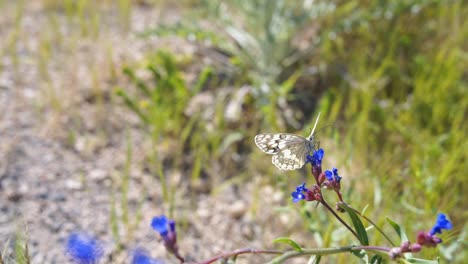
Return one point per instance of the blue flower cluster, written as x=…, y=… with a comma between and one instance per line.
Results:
x=332, y=175
x=316, y=158
x=441, y=223
x=329, y=179
x=163, y=225
x=83, y=248
x=423, y=238
x=166, y=228
x=299, y=194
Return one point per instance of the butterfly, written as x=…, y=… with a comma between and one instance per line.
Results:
x=289, y=150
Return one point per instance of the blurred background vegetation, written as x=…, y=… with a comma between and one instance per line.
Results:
x=389, y=78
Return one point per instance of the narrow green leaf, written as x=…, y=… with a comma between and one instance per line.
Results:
x=288, y=85
x=376, y=259
x=21, y=250
x=315, y=259
x=290, y=242
x=202, y=79
x=358, y=226
x=361, y=254
x=138, y=82
x=114, y=221
x=401, y=233
x=421, y=261
x=131, y=104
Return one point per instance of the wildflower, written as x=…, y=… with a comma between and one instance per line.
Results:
x=166, y=228
x=316, y=158
x=430, y=239
x=161, y=224
x=299, y=193
x=141, y=256
x=441, y=223
x=333, y=181
x=303, y=193
x=83, y=248
x=332, y=176
x=316, y=161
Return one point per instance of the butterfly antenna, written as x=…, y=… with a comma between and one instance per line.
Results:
x=313, y=129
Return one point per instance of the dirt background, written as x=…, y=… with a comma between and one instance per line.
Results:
x=62, y=152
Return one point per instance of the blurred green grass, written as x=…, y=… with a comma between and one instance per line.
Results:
x=391, y=76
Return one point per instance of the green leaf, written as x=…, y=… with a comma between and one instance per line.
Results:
x=376, y=259
x=131, y=104
x=288, y=85
x=288, y=241
x=21, y=248
x=401, y=233
x=314, y=259
x=420, y=261
x=138, y=82
x=202, y=79
x=358, y=226
x=361, y=254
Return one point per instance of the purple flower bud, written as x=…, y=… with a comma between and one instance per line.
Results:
x=395, y=253
x=405, y=246
x=415, y=247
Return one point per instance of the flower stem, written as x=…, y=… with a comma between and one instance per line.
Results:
x=240, y=251
x=325, y=251
x=338, y=217
x=294, y=253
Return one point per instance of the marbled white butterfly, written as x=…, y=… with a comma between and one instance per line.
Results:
x=289, y=150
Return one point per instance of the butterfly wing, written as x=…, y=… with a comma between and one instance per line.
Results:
x=289, y=150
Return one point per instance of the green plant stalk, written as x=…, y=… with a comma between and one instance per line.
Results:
x=160, y=171
x=125, y=12
x=115, y=223
x=125, y=184
x=324, y=203
x=21, y=249
x=326, y=251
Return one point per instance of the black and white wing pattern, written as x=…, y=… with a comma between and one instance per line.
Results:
x=289, y=151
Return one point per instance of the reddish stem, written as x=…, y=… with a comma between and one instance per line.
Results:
x=338, y=217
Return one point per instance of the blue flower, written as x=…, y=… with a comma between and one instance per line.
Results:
x=316, y=158
x=167, y=229
x=160, y=224
x=299, y=193
x=441, y=223
x=141, y=256
x=335, y=175
x=332, y=175
x=83, y=248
